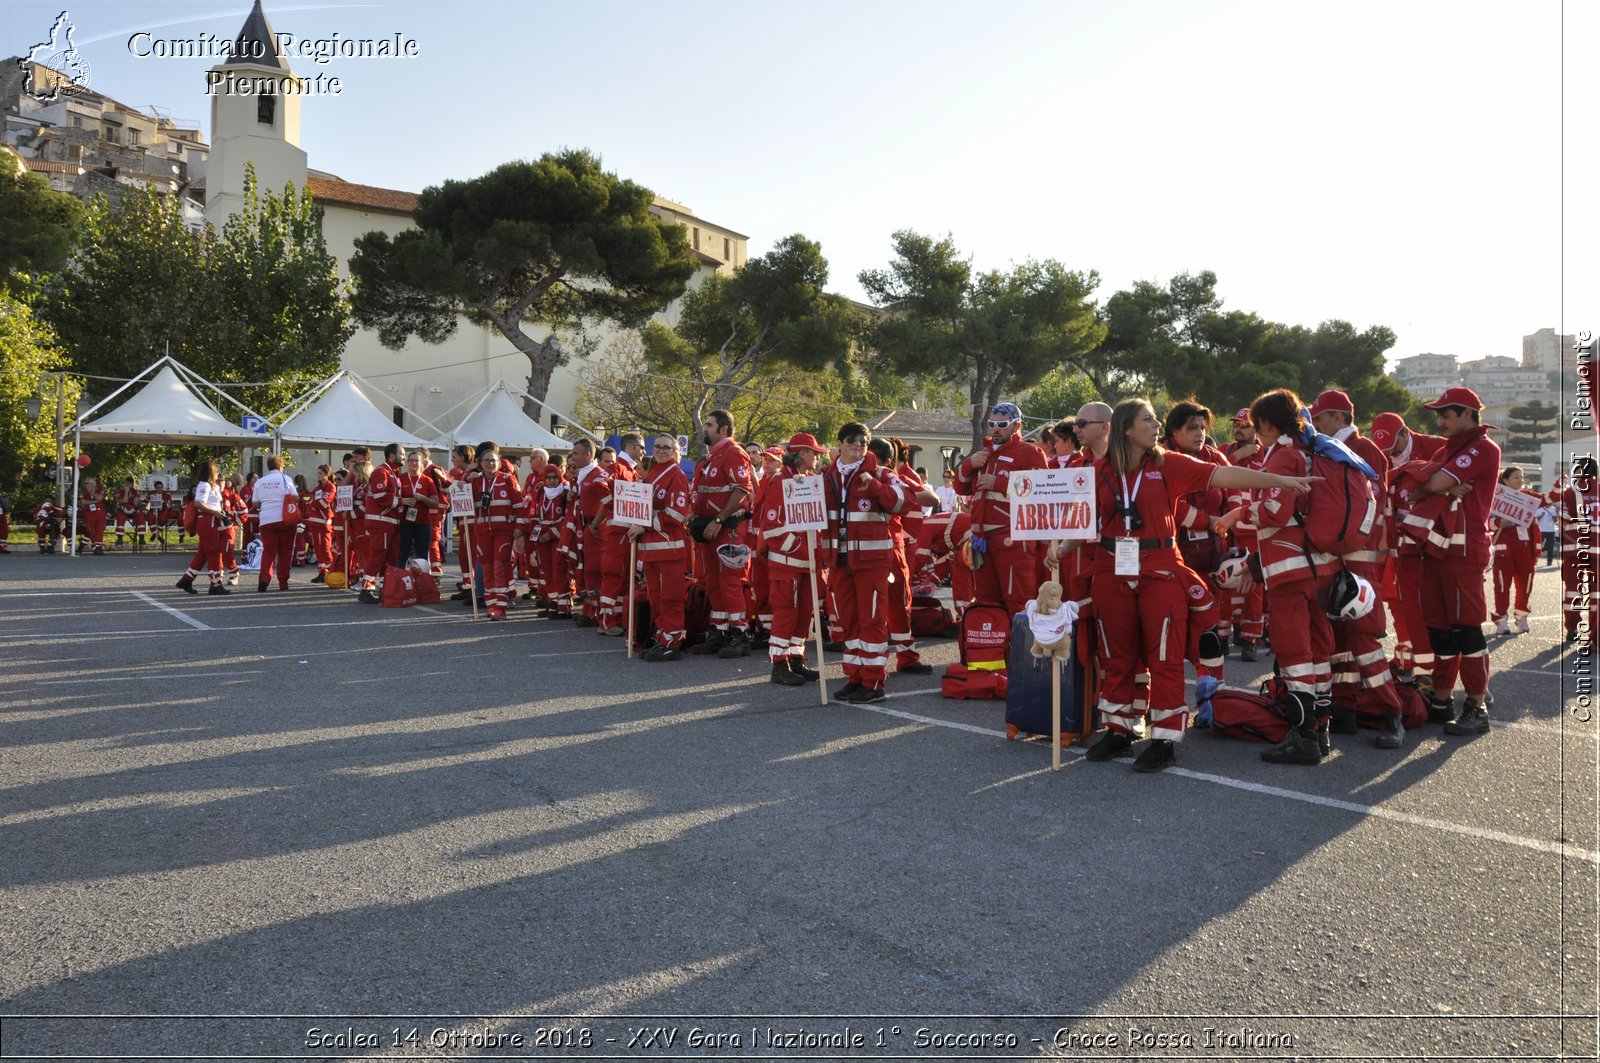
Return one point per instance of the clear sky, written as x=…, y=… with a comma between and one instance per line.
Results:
x=1396, y=163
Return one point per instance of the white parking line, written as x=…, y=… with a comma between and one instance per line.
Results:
x=1538, y=845
x=175, y=675
x=185, y=617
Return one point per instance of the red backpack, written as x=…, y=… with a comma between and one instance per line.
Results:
x=931, y=618
x=189, y=517
x=1252, y=717
x=1341, y=510
x=985, y=637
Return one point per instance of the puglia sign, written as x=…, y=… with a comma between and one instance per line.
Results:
x=1053, y=504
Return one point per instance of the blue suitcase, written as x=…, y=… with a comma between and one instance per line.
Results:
x=1028, y=691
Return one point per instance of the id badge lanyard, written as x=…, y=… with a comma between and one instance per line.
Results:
x=1127, y=549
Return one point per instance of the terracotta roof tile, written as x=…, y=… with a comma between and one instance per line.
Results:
x=368, y=197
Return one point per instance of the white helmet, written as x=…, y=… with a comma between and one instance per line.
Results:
x=734, y=555
x=1350, y=597
x=1231, y=570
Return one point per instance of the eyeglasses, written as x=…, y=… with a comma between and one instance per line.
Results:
x=1082, y=424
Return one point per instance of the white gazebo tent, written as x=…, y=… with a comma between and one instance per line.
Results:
x=498, y=415
x=168, y=409
x=335, y=413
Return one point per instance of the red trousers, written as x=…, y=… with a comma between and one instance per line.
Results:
x=1302, y=638
x=321, y=533
x=1008, y=573
x=900, y=637
x=789, y=595
x=1410, y=626
x=665, y=587
x=277, y=549
x=492, y=545
x=862, y=597
x=94, y=523
x=378, y=549
x=724, y=585
x=463, y=555
x=555, y=583
x=208, y=549
x=1142, y=621
x=1453, y=602
x=614, y=577
x=1514, y=562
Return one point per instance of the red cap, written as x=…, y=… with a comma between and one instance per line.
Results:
x=803, y=441
x=1385, y=430
x=774, y=452
x=1456, y=397
x=1243, y=416
x=1333, y=400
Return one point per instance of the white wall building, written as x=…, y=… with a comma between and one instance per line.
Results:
x=429, y=379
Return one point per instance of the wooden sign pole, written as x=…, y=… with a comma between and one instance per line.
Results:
x=816, y=621
x=472, y=567
x=633, y=588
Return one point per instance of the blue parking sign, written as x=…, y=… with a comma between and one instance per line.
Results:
x=251, y=423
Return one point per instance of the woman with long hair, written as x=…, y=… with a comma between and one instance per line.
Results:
x=1141, y=603
x=1516, y=555
x=210, y=525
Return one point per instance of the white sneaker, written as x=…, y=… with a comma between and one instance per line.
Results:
x=1522, y=623
x=1502, y=627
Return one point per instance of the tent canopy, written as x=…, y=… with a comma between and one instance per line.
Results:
x=343, y=417
x=498, y=416
x=167, y=410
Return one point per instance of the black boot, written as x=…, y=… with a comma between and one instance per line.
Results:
x=797, y=665
x=715, y=639
x=186, y=583
x=1299, y=747
x=782, y=675
x=736, y=645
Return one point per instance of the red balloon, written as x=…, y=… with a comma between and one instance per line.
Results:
x=83, y=461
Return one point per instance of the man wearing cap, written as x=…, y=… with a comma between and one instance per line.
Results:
x=786, y=560
x=1360, y=668
x=1409, y=454
x=723, y=486
x=1453, y=604
x=1008, y=569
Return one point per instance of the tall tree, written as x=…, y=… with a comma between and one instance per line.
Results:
x=549, y=245
x=994, y=333
x=37, y=224
x=732, y=330
x=28, y=354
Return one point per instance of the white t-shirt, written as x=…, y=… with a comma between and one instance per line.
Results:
x=1547, y=519
x=268, y=496
x=207, y=496
x=947, y=498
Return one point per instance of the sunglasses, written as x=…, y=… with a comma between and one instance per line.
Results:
x=1085, y=424
x=999, y=424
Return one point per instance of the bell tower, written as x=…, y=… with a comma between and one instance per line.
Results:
x=255, y=118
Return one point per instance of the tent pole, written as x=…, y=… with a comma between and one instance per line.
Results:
x=76, y=446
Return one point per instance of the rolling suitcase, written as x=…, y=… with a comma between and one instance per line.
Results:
x=1028, y=690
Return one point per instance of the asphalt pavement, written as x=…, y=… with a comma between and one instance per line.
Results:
x=287, y=825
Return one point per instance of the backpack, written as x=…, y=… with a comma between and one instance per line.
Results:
x=399, y=587
x=962, y=683
x=696, y=614
x=931, y=618
x=1413, y=707
x=985, y=637
x=1252, y=717
x=190, y=515
x=1341, y=510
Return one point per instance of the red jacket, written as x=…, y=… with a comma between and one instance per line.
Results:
x=788, y=553
x=860, y=507
x=500, y=505
x=382, y=499
x=725, y=471
x=1278, y=514
x=668, y=535
x=319, y=510
x=991, y=509
x=1153, y=492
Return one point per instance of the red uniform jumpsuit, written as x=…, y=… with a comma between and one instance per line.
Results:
x=1580, y=540
x=458, y=524
x=380, y=519
x=1361, y=675
x=860, y=505
x=319, y=516
x=1007, y=574
x=1413, y=653
x=581, y=543
x=939, y=554
x=788, y=561
x=1516, y=555
x=726, y=471
x=210, y=539
x=236, y=509
x=907, y=525
x=664, y=552
x=441, y=485
x=1453, y=604
x=1142, y=620
x=614, y=575
x=498, y=522
x=416, y=518
x=92, y=505
x=156, y=505
x=550, y=565
x=47, y=525
x=1247, y=609
x=1297, y=580
x=127, y=499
